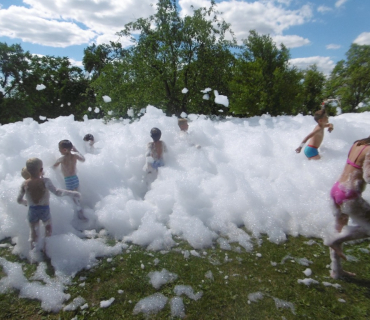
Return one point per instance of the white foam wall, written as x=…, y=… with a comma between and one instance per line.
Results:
x=246, y=174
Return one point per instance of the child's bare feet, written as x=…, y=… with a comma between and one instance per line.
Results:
x=338, y=250
x=341, y=274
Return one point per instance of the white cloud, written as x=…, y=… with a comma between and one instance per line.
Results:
x=76, y=63
x=64, y=23
x=333, y=46
x=291, y=41
x=363, y=39
x=324, y=9
x=339, y=3
x=266, y=17
x=106, y=37
x=23, y=23
x=324, y=64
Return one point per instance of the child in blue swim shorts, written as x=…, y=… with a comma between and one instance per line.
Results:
x=316, y=137
x=68, y=163
x=36, y=189
x=154, y=155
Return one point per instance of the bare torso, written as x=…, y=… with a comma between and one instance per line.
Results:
x=68, y=164
x=352, y=177
x=318, y=137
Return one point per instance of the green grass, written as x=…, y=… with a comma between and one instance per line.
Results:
x=225, y=297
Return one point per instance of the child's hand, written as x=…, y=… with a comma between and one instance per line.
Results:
x=298, y=150
x=331, y=128
x=74, y=149
x=77, y=195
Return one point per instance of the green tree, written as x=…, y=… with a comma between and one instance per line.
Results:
x=21, y=72
x=96, y=57
x=350, y=79
x=171, y=53
x=312, y=90
x=263, y=81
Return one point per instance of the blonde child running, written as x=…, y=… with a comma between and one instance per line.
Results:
x=36, y=189
x=68, y=163
x=316, y=136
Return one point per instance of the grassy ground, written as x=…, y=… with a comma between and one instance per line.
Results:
x=273, y=270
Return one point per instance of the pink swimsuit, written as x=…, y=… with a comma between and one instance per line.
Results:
x=339, y=192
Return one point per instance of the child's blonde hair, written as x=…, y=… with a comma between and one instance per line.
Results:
x=33, y=167
x=25, y=174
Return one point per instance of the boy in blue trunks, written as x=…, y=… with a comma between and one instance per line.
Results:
x=316, y=136
x=68, y=165
x=36, y=189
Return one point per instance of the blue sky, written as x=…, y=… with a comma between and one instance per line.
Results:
x=315, y=31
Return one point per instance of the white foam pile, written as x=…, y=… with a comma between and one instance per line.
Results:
x=151, y=305
x=246, y=174
x=188, y=291
x=158, y=279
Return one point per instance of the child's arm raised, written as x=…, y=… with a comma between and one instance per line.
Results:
x=78, y=155
x=60, y=192
x=58, y=162
x=316, y=130
x=21, y=194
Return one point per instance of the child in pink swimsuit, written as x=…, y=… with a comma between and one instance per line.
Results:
x=347, y=196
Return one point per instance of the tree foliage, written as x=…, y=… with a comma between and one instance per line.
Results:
x=312, y=93
x=263, y=81
x=21, y=73
x=171, y=53
x=350, y=79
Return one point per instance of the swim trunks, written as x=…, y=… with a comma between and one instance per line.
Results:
x=37, y=213
x=340, y=194
x=72, y=182
x=311, y=151
x=157, y=163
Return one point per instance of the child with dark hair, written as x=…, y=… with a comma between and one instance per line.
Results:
x=36, y=189
x=316, y=136
x=89, y=143
x=154, y=153
x=68, y=165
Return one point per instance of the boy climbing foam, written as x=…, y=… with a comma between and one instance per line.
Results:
x=316, y=136
x=68, y=165
x=36, y=188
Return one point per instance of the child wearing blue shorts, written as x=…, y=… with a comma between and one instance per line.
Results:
x=36, y=189
x=316, y=136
